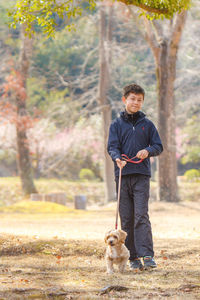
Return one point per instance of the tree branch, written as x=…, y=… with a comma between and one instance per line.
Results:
x=150, y=9
x=151, y=38
x=177, y=31
x=158, y=30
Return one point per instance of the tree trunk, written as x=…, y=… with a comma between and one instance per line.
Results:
x=23, y=154
x=165, y=51
x=167, y=165
x=104, y=83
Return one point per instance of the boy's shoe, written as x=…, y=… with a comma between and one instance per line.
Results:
x=149, y=262
x=136, y=264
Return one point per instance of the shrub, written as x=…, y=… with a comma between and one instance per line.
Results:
x=86, y=174
x=192, y=175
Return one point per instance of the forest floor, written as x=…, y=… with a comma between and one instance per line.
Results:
x=61, y=255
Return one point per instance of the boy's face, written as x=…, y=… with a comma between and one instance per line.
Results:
x=133, y=103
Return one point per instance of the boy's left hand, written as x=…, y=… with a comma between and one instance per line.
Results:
x=142, y=154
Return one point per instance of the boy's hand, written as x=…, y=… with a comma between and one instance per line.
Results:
x=120, y=163
x=142, y=154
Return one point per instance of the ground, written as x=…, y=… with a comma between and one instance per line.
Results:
x=61, y=255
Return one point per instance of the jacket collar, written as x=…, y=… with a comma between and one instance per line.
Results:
x=137, y=116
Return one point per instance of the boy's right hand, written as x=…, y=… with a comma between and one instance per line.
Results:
x=120, y=163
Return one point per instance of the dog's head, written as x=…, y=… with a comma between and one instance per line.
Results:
x=114, y=237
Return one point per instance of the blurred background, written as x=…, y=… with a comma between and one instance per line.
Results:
x=59, y=95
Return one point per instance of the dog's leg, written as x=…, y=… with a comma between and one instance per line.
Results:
x=122, y=267
x=109, y=264
x=123, y=264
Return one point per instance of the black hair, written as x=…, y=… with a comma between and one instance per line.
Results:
x=133, y=88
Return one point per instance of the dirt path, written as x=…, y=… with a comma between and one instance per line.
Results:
x=62, y=256
x=168, y=220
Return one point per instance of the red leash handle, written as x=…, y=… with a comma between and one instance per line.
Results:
x=131, y=160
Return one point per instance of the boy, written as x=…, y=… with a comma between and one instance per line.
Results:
x=134, y=135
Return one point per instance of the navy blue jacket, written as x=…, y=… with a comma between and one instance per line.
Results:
x=124, y=138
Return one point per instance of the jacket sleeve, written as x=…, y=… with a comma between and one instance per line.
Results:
x=113, y=147
x=155, y=144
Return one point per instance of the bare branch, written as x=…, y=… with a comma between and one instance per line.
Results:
x=87, y=59
x=151, y=38
x=158, y=30
x=177, y=31
x=64, y=83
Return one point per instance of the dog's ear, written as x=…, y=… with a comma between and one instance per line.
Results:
x=106, y=235
x=122, y=236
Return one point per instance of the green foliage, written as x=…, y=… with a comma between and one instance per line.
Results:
x=192, y=175
x=7, y=155
x=63, y=55
x=86, y=174
x=44, y=13
x=156, y=9
x=49, y=101
x=4, y=7
x=192, y=154
x=192, y=140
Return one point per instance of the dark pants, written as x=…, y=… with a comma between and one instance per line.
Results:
x=133, y=210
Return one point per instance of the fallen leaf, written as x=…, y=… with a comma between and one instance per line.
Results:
x=24, y=250
x=188, y=287
x=110, y=288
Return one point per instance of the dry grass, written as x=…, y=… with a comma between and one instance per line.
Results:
x=54, y=269
x=47, y=266
x=10, y=190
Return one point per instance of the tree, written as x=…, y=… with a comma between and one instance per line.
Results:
x=14, y=94
x=41, y=13
x=105, y=37
x=165, y=49
x=23, y=155
x=187, y=83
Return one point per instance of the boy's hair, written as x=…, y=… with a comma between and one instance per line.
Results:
x=133, y=88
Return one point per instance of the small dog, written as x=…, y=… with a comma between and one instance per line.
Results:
x=116, y=251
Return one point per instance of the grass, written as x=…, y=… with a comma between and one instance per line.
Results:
x=60, y=269
x=10, y=190
x=35, y=207
x=189, y=191
x=49, y=251
x=61, y=255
